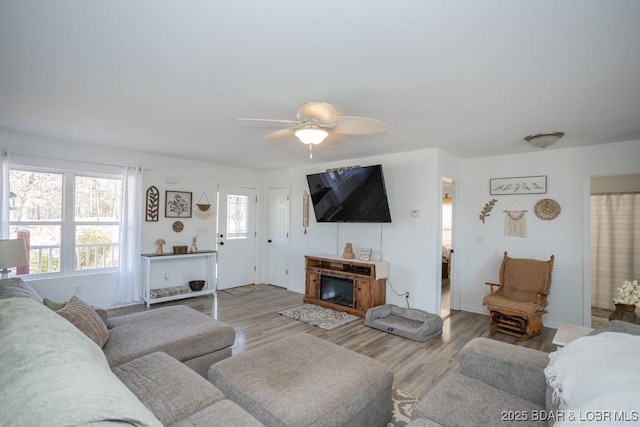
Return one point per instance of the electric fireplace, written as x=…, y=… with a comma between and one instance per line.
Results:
x=336, y=290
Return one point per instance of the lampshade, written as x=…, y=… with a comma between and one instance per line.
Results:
x=13, y=253
x=544, y=140
x=311, y=135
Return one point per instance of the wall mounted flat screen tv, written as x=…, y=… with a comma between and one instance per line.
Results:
x=350, y=195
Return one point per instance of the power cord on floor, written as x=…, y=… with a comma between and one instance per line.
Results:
x=405, y=295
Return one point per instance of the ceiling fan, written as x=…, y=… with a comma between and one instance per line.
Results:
x=315, y=121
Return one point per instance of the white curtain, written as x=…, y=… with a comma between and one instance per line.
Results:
x=4, y=196
x=129, y=274
x=615, y=245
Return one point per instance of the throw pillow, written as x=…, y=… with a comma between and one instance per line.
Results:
x=55, y=306
x=85, y=318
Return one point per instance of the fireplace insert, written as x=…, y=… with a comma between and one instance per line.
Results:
x=336, y=290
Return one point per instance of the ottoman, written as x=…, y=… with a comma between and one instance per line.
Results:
x=307, y=381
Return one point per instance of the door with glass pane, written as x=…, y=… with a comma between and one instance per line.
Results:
x=236, y=236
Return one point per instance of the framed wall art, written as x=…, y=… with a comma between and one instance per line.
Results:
x=518, y=185
x=177, y=204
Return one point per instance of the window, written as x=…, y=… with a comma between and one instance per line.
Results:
x=70, y=221
x=237, y=216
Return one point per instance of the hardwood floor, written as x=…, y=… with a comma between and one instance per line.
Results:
x=417, y=366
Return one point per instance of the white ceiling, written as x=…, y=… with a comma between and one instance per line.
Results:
x=472, y=77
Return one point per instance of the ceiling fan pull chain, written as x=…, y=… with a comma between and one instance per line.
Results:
x=310, y=151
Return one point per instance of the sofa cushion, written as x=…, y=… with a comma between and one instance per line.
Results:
x=171, y=390
x=52, y=374
x=458, y=400
x=179, y=331
x=224, y=413
x=85, y=318
x=16, y=287
x=514, y=369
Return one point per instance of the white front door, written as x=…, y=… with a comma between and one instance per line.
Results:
x=236, y=236
x=278, y=236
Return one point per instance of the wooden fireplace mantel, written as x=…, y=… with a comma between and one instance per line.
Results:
x=369, y=280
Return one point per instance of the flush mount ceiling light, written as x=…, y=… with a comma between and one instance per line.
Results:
x=544, y=140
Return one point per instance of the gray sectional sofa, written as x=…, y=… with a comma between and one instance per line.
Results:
x=166, y=366
x=505, y=384
x=53, y=372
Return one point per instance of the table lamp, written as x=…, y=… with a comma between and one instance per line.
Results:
x=13, y=253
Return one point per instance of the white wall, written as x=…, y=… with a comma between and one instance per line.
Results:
x=196, y=177
x=567, y=237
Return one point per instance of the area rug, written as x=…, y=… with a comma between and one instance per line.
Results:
x=321, y=317
x=403, y=403
x=239, y=290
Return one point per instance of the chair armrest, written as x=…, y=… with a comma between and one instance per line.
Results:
x=510, y=368
x=492, y=285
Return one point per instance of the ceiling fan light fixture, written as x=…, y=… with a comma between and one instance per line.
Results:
x=544, y=140
x=311, y=136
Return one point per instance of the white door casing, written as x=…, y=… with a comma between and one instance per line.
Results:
x=236, y=236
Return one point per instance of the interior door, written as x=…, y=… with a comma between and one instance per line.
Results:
x=278, y=236
x=236, y=236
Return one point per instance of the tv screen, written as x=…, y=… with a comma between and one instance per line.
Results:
x=350, y=195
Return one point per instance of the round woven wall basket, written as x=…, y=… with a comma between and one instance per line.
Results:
x=547, y=209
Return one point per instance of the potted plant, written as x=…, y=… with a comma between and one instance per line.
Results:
x=626, y=300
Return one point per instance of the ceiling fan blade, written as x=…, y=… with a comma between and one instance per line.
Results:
x=279, y=134
x=318, y=111
x=291, y=122
x=333, y=140
x=351, y=125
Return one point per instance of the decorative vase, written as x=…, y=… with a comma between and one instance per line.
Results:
x=348, y=251
x=624, y=312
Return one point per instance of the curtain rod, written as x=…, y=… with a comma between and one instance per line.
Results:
x=35, y=156
x=614, y=192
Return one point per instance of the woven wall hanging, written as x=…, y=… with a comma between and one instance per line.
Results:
x=547, y=209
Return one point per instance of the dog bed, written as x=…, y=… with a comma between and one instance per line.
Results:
x=417, y=325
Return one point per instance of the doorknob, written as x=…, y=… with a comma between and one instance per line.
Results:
x=269, y=241
x=222, y=235
x=221, y=243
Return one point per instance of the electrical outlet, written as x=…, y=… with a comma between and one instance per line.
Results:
x=166, y=276
x=78, y=289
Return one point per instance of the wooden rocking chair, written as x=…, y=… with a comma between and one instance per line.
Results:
x=516, y=308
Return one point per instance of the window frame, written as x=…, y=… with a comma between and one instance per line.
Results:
x=68, y=224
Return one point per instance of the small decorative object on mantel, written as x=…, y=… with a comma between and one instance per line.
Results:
x=547, y=209
x=180, y=250
x=204, y=210
x=194, y=246
x=152, y=209
x=305, y=211
x=626, y=300
x=177, y=226
x=160, y=242
x=487, y=208
x=348, y=251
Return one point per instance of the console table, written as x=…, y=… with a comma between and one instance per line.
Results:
x=169, y=262
x=368, y=279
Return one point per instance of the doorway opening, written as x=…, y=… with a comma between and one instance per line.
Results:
x=447, y=250
x=615, y=240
